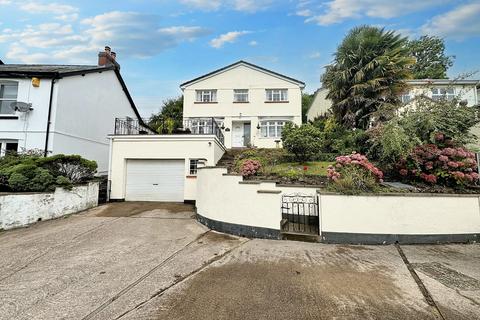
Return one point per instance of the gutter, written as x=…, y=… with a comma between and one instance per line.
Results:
x=47, y=132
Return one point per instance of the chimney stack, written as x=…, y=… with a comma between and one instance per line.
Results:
x=107, y=58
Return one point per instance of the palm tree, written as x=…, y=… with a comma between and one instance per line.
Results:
x=368, y=72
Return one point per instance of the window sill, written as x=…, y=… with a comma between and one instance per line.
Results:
x=8, y=117
x=200, y=102
x=241, y=101
x=277, y=101
x=191, y=177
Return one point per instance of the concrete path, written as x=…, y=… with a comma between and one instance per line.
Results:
x=153, y=261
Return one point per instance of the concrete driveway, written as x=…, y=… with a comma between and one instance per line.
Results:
x=153, y=261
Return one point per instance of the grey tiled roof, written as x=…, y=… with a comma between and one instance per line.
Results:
x=48, y=68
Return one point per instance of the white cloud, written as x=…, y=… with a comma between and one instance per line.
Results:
x=314, y=55
x=130, y=34
x=228, y=37
x=304, y=13
x=54, y=8
x=458, y=23
x=5, y=2
x=238, y=5
x=253, y=43
x=337, y=11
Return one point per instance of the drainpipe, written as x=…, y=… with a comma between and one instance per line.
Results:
x=45, y=152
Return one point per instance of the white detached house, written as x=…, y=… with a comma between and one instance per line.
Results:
x=251, y=104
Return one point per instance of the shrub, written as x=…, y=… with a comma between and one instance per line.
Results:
x=73, y=167
x=64, y=182
x=446, y=166
x=250, y=168
x=303, y=142
x=354, y=174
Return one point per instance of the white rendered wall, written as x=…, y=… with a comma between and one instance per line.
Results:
x=256, y=82
x=21, y=209
x=161, y=147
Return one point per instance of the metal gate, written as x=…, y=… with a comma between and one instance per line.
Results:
x=300, y=214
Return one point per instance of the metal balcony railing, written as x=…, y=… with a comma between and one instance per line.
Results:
x=197, y=126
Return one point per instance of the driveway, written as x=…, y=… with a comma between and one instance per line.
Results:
x=153, y=261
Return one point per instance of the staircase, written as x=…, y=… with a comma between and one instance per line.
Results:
x=228, y=158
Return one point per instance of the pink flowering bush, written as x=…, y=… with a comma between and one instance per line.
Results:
x=353, y=174
x=250, y=167
x=433, y=164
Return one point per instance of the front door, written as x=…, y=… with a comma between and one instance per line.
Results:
x=237, y=135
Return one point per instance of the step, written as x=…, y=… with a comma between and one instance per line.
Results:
x=297, y=236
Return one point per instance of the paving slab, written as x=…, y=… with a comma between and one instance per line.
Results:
x=451, y=274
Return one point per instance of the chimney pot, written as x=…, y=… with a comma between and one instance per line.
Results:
x=107, y=49
x=114, y=55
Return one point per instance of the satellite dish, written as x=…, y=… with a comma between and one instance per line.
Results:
x=21, y=106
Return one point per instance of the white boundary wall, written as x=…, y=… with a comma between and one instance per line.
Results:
x=21, y=209
x=229, y=199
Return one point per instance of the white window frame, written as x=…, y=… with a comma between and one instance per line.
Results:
x=406, y=97
x=276, y=95
x=193, y=170
x=240, y=95
x=267, y=125
x=201, y=126
x=3, y=146
x=206, y=96
x=437, y=93
x=11, y=83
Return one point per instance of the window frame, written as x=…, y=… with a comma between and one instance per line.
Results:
x=3, y=146
x=236, y=93
x=193, y=170
x=267, y=125
x=439, y=95
x=202, y=94
x=8, y=83
x=281, y=94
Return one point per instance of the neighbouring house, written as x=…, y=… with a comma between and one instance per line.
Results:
x=250, y=103
x=237, y=106
x=467, y=90
x=67, y=109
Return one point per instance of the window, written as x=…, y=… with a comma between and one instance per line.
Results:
x=8, y=94
x=8, y=146
x=193, y=166
x=206, y=95
x=240, y=95
x=443, y=93
x=275, y=95
x=201, y=126
x=406, y=97
x=272, y=129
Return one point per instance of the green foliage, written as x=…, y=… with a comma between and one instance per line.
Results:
x=354, y=180
x=307, y=100
x=169, y=118
x=432, y=63
x=24, y=172
x=303, y=142
x=368, y=71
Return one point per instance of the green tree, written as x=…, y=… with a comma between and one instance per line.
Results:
x=302, y=141
x=307, y=100
x=432, y=63
x=368, y=71
x=170, y=116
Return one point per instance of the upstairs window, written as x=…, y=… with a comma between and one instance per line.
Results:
x=240, y=95
x=277, y=95
x=443, y=93
x=272, y=128
x=8, y=94
x=206, y=95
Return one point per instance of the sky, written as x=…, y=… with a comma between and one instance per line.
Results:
x=160, y=43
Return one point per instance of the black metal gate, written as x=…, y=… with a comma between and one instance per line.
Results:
x=300, y=214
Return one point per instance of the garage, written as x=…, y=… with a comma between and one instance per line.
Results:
x=155, y=180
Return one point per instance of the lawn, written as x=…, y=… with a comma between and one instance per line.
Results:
x=318, y=168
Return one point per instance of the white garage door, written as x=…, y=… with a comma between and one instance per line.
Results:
x=155, y=180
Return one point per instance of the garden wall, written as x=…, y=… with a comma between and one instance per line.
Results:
x=227, y=203
x=21, y=209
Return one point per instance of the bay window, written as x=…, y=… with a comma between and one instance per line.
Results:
x=206, y=96
x=8, y=94
x=272, y=128
x=276, y=95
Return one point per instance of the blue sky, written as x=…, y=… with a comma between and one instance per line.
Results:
x=161, y=44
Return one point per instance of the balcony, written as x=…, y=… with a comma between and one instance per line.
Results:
x=168, y=126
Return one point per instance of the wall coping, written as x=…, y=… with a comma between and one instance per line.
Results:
x=4, y=194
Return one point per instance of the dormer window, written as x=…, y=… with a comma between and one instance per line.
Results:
x=276, y=95
x=206, y=96
x=8, y=94
x=240, y=95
